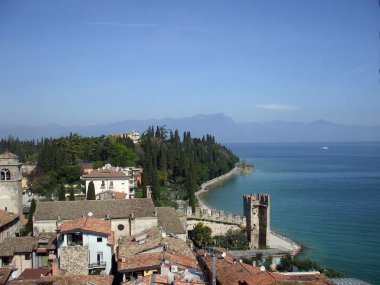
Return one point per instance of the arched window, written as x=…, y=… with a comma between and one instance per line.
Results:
x=5, y=174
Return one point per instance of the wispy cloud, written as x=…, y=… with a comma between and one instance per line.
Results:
x=278, y=107
x=121, y=24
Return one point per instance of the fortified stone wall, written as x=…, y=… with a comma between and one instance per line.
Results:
x=217, y=216
x=257, y=211
x=217, y=228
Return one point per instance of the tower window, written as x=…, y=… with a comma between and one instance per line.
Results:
x=5, y=174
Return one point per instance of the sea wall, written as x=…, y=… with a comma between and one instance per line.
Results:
x=283, y=243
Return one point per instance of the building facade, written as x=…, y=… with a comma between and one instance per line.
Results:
x=85, y=245
x=109, y=178
x=10, y=183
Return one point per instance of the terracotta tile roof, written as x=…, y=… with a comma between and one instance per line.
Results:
x=229, y=271
x=150, y=252
x=169, y=220
x=7, y=217
x=14, y=245
x=157, y=279
x=5, y=274
x=67, y=280
x=113, y=195
x=88, y=225
x=34, y=273
x=71, y=210
x=106, y=172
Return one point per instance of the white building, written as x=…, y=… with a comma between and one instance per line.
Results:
x=85, y=245
x=109, y=178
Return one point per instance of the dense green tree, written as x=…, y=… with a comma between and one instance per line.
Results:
x=72, y=196
x=202, y=235
x=32, y=209
x=233, y=240
x=91, y=191
x=61, y=193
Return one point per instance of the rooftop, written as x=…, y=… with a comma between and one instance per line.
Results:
x=168, y=219
x=8, y=155
x=106, y=171
x=34, y=273
x=66, y=280
x=88, y=225
x=7, y=217
x=231, y=271
x=5, y=274
x=14, y=245
x=71, y=210
x=145, y=250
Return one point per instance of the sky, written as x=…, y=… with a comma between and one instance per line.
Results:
x=79, y=62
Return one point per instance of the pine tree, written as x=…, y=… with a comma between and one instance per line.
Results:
x=91, y=191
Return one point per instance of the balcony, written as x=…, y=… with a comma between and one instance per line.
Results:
x=97, y=265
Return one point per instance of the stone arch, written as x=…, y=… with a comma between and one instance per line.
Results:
x=5, y=174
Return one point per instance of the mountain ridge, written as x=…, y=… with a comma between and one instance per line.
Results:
x=224, y=128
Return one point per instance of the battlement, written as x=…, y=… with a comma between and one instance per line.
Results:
x=257, y=199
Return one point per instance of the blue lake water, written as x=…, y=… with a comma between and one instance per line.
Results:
x=327, y=200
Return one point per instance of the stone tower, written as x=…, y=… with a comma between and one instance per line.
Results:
x=10, y=183
x=257, y=213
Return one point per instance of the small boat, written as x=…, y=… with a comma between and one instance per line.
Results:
x=325, y=147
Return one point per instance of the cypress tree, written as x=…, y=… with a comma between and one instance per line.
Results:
x=72, y=196
x=91, y=191
x=61, y=193
x=29, y=225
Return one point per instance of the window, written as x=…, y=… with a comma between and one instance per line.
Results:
x=27, y=256
x=120, y=227
x=7, y=260
x=99, y=239
x=74, y=239
x=102, y=185
x=5, y=174
x=111, y=184
x=99, y=258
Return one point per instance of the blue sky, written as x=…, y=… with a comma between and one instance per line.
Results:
x=89, y=62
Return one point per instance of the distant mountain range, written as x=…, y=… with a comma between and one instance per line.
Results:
x=224, y=128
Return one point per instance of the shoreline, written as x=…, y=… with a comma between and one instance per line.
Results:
x=294, y=247
x=205, y=185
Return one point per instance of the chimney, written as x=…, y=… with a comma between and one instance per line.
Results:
x=148, y=192
x=54, y=268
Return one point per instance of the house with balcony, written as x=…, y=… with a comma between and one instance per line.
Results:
x=85, y=246
x=109, y=178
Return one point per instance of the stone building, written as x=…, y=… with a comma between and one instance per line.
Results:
x=10, y=183
x=257, y=213
x=128, y=217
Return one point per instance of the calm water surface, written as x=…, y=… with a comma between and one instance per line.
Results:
x=328, y=200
